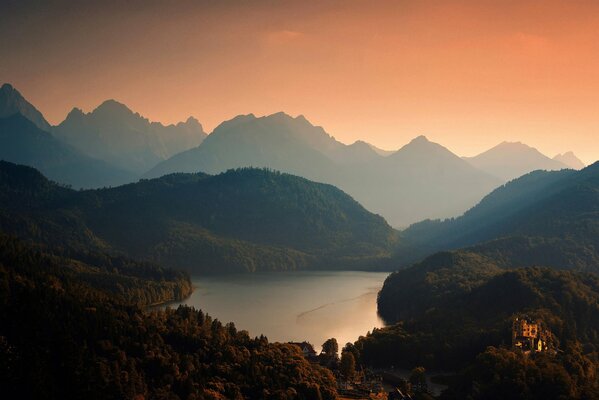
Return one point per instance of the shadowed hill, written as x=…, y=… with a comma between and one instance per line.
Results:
x=22, y=142
x=557, y=206
x=242, y=220
x=77, y=327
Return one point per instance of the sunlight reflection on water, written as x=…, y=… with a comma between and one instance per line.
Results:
x=294, y=306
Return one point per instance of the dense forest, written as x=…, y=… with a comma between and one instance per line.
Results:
x=241, y=220
x=454, y=312
x=75, y=327
x=534, y=252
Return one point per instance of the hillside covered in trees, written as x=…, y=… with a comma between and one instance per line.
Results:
x=454, y=312
x=74, y=327
x=533, y=252
x=542, y=218
x=241, y=220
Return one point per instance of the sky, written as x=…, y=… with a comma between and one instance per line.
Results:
x=467, y=74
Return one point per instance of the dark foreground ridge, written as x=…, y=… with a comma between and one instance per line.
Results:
x=455, y=310
x=77, y=329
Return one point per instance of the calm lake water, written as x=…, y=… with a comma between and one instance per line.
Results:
x=294, y=306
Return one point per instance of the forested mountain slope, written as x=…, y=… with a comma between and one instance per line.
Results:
x=559, y=207
x=454, y=312
x=241, y=220
x=77, y=329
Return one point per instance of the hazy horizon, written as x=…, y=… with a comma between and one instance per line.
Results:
x=468, y=75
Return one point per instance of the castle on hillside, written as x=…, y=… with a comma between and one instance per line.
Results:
x=529, y=336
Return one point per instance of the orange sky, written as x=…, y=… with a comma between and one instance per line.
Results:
x=467, y=74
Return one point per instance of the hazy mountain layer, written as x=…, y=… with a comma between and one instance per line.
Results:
x=556, y=206
x=570, y=159
x=421, y=180
x=510, y=160
x=243, y=220
x=116, y=134
x=12, y=102
x=22, y=142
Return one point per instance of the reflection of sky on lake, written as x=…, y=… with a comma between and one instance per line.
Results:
x=294, y=306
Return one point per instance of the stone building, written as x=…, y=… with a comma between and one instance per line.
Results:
x=529, y=336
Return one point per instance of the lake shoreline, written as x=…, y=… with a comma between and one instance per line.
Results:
x=294, y=306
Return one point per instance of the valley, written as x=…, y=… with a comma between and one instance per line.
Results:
x=333, y=267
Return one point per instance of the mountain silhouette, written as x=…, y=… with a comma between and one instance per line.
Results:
x=378, y=150
x=21, y=141
x=114, y=133
x=569, y=159
x=420, y=180
x=12, y=102
x=509, y=160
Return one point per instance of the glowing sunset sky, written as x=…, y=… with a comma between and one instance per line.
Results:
x=467, y=74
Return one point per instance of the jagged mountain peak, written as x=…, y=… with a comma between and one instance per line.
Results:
x=13, y=102
x=191, y=122
x=114, y=133
x=569, y=159
x=75, y=113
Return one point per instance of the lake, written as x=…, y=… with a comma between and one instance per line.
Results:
x=293, y=306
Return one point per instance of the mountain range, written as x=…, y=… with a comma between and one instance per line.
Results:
x=405, y=186
x=115, y=134
x=113, y=145
x=21, y=141
x=125, y=141
x=241, y=220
